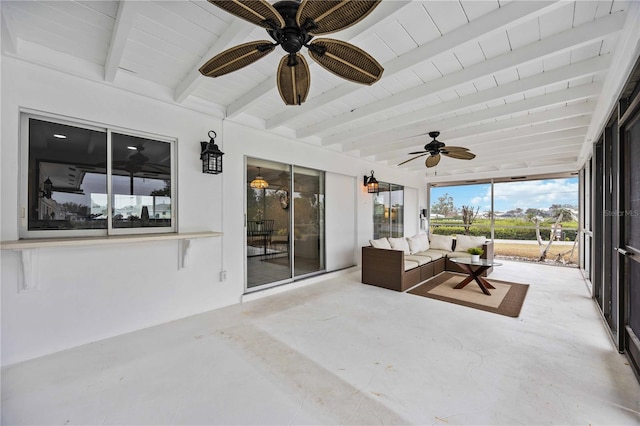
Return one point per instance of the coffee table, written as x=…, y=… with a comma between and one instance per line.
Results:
x=474, y=273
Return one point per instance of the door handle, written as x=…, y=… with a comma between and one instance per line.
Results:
x=623, y=252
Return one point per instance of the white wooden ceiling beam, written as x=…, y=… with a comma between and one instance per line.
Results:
x=127, y=11
x=473, y=140
x=505, y=17
x=383, y=11
x=351, y=140
x=567, y=40
x=445, y=175
x=518, y=87
x=235, y=33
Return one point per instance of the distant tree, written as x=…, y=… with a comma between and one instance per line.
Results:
x=532, y=213
x=78, y=209
x=444, y=206
x=560, y=214
x=468, y=216
x=164, y=192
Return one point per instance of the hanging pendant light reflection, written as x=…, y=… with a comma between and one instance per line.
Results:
x=259, y=182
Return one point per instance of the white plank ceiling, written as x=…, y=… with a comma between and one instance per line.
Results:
x=516, y=82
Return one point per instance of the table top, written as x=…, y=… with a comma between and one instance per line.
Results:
x=468, y=261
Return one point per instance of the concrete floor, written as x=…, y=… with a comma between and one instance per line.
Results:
x=340, y=352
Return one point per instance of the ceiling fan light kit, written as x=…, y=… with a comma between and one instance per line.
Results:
x=435, y=149
x=292, y=25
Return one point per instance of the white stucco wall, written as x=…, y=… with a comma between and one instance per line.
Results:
x=90, y=293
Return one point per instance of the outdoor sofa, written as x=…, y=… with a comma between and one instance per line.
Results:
x=401, y=263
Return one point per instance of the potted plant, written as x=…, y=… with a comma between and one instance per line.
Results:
x=475, y=253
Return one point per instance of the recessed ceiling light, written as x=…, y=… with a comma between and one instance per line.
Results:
x=133, y=148
x=59, y=136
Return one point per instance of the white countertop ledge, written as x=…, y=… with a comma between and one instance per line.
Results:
x=103, y=240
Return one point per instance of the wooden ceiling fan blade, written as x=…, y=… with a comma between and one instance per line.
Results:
x=328, y=16
x=411, y=159
x=293, y=80
x=346, y=60
x=460, y=155
x=257, y=12
x=236, y=57
x=455, y=148
x=432, y=161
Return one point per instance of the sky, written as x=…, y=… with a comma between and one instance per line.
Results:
x=539, y=194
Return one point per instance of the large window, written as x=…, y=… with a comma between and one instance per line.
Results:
x=388, y=211
x=87, y=180
x=529, y=219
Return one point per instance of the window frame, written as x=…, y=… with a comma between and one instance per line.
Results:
x=23, y=197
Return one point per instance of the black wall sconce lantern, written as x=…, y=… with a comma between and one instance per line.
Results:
x=371, y=183
x=211, y=156
x=47, y=189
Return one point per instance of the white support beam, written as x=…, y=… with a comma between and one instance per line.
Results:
x=519, y=168
x=473, y=140
x=127, y=11
x=383, y=11
x=489, y=162
x=445, y=175
x=563, y=74
x=237, y=31
x=355, y=140
x=505, y=17
x=567, y=40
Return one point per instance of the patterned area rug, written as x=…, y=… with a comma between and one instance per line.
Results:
x=506, y=299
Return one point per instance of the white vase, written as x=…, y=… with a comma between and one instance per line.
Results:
x=475, y=258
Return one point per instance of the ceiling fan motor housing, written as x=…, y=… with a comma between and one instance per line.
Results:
x=291, y=37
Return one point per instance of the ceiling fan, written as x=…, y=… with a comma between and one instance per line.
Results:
x=292, y=24
x=435, y=148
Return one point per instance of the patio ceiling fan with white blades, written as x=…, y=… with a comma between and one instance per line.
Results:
x=435, y=149
x=292, y=24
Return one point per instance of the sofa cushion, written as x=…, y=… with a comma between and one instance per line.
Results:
x=410, y=264
x=417, y=243
x=422, y=260
x=381, y=243
x=441, y=242
x=465, y=242
x=400, y=244
x=432, y=254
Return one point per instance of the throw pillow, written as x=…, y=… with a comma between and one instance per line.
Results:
x=465, y=242
x=400, y=244
x=418, y=243
x=441, y=242
x=381, y=243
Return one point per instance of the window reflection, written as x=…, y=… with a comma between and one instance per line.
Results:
x=141, y=182
x=67, y=170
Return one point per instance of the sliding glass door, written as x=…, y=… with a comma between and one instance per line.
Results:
x=388, y=211
x=308, y=221
x=284, y=223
